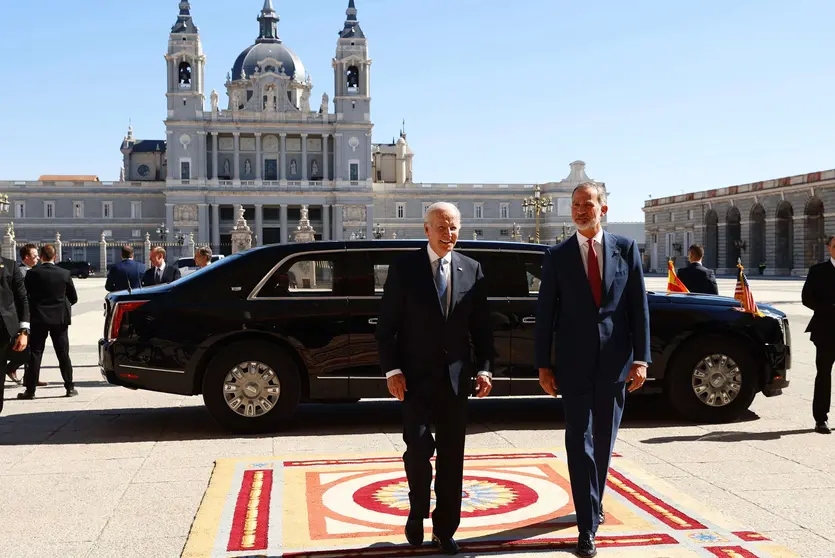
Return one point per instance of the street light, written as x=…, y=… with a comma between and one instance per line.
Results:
x=379, y=232
x=537, y=204
x=162, y=231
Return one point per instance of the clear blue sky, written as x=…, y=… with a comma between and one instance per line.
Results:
x=658, y=97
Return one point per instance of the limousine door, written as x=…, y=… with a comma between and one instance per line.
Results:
x=525, y=269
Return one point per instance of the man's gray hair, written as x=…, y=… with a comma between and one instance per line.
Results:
x=596, y=187
x=441, y=206
x=830, y=239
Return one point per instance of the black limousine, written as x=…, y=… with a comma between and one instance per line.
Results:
x=259, y=332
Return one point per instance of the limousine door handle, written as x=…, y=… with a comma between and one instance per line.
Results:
x=372, y=321
x=528, y=320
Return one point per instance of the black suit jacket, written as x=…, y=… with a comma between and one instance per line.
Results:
x=698, y=279
x=14, y=302
x=124, y=274
x=169, y=275
x=819, y=296
x=51, y=294
x=413, y=335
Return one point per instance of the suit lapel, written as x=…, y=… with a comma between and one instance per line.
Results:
x=610, y=262
x=582, y=278
x=455, y=274
x=425, y=269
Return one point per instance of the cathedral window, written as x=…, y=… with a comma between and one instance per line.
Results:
x=400, y=210
x=78, y=210
x=107, y=210
x=185, y=75
x=49, y=210
x=353, y=78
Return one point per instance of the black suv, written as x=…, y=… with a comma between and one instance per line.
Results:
x=82, y=270
x=261, y=331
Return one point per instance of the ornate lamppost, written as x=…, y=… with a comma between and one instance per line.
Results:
x=379, y=232
x=537, y=204
x=162, y=232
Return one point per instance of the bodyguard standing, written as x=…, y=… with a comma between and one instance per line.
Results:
x=51, y=296
x=593, y=307
x=819, y=296
x=14, y=311
x=29, y=259
x=695, y=276
x=127, y=274
x=434, y=304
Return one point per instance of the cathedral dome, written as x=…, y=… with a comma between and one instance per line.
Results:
x=249, y=59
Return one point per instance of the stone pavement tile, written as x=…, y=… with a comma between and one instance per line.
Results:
x=369, y=443
x=661, y=470
x=57, y=451
x=180, y=497
x=684, y=450
x=515, y=438
x=721, y=472
x=21, y=485
x=486, y=440
x=634, y=453
x=809, y=508
x=126, y=465
x=171, y=474
x=804, y=542
x=153, y=547
x=57, y=525
x=29, y=546
x=127, y=526
x=11, y=455
x=754, y=516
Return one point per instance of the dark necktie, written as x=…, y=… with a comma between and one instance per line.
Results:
x=441, y=285
x=594, y=274
x=158, y=277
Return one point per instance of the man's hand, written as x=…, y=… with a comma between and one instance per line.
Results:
x=483, y=386
x=397, y=386
x=548, y=381
x=21, y=342
x=637, y=376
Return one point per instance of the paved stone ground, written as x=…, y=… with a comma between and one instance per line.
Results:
x=115, y=472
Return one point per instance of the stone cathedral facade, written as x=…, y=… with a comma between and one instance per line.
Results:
x=273, y=147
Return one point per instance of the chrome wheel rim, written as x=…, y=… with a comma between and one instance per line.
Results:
x=251, y=389
x=717, y=380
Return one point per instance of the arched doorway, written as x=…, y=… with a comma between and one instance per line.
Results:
x=734, y=234
x=711, y=259
x=756, y=242
x=785, y=236
x=814, y=231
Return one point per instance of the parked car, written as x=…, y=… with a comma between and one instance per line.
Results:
x=82, y=270
x=295, y=323
x=188, y=265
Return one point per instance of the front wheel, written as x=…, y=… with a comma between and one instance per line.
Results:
x=252, y=387
x=712, y=379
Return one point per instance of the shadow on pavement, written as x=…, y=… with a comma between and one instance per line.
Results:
x=366, y=417
x=729, y=436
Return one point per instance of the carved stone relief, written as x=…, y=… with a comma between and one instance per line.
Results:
x=270, y=144
x=185, y=215
x=247, y=144
x=226, y=144
x=353, y=213
x=294, y=144
x=314, y=145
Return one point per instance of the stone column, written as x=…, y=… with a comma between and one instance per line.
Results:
x=337, y=157
x=202, y=223
x=325, y=158
x=722, y=233
x=169, y=217
x=283, y=215
x=214, y=157
x=258, y=159
x=282, y=169
x=202, y=159
x=369, y=221
x=237, y=137
x=799, y=264
x=337, y=222
x=216, y=227
x=745, y=255
x=59, y=248
x=259, y=224
x=326, y=222
x=367, y=160
x=103, y=255
x=304, y=157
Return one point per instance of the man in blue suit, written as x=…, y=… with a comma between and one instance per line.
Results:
x=593, y=310
x=125, y=274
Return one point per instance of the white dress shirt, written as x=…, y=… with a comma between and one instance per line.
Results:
x=161, y=269
x=598, y=251
x=832, y=261
x=434, y=261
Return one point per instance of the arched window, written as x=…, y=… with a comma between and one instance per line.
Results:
x=353, y=78
x=185, y=75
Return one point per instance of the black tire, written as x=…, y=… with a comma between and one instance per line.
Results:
x=679, y=381
x=286, y=372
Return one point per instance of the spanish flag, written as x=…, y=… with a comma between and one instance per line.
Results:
x=674, y=284
x=742, y=293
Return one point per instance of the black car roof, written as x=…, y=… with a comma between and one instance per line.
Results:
x=328, y=245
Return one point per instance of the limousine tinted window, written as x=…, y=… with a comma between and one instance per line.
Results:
x=307, y=275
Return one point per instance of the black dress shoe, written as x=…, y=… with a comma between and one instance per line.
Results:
x=72, y=392
x=601, y=519
x=447, y=545
x=26, y=395
x=823, y=428
x=585, y=545
x=414, y=532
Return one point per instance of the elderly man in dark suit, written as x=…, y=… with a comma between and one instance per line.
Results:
x=125, y=275
x=14, y=311
x=159, y=273
x=593, y=307
x=696, y=277
x=51, y=296
x=819, y=296
x=434, y=305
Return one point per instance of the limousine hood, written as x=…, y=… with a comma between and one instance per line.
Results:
x=711, y=300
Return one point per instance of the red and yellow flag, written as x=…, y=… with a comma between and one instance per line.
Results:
x=674, y=284
x=742, y=293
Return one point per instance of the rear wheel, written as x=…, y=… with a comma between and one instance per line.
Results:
x=252, y=387
x=712, y=379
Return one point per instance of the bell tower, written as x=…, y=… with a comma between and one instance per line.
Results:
x=352, y=72
x=185, y=64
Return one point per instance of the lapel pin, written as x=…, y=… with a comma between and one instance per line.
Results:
x=460, y=269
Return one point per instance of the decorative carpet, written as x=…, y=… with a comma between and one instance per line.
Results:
x=356, y=506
